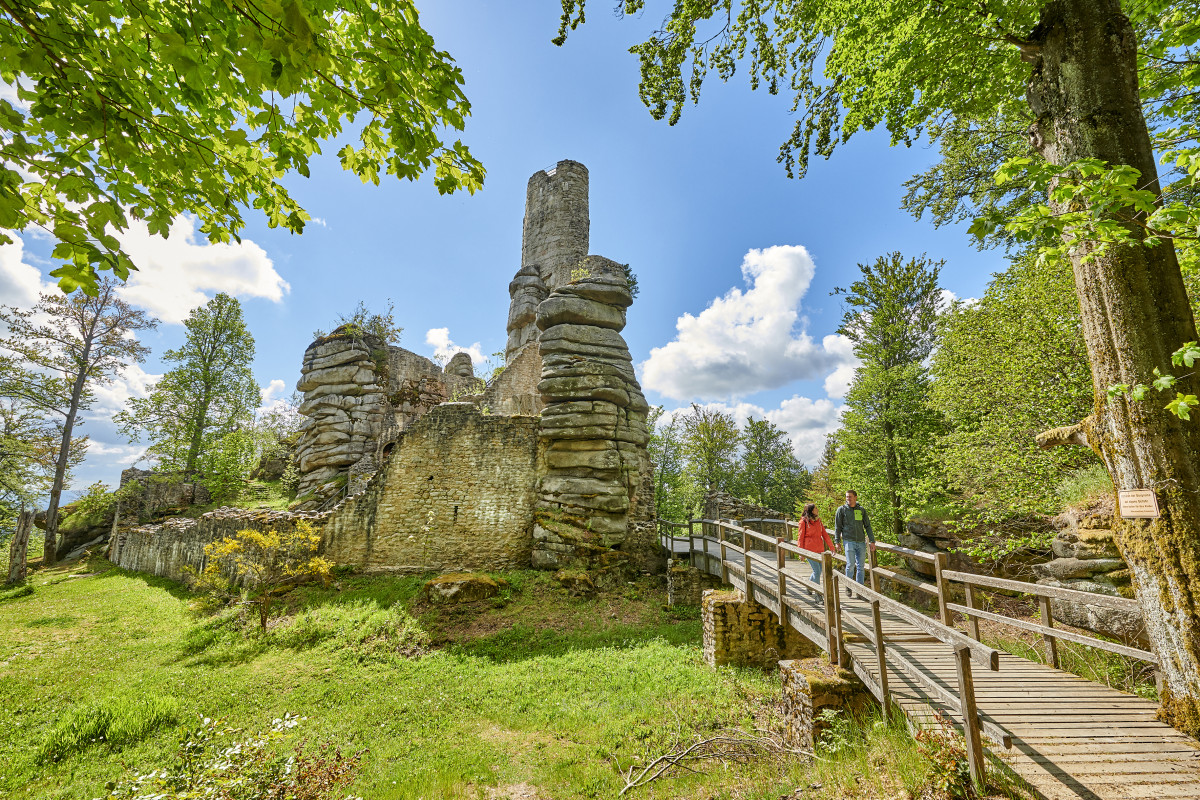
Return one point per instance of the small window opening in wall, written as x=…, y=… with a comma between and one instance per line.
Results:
x=456, y=513
x=430, y=477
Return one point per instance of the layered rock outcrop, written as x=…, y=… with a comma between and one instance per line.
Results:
x=344, y=405
x=1087, y=559
x=359, y=397
x=594, y=423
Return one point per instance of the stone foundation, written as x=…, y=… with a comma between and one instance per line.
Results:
x=811, y=687
x=743, y=633
x=686, y=584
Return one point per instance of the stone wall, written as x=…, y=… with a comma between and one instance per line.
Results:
x=811, y=687
x=359, y=396
x=686, y=584
x=514, y=391
x=456, y=493
x=741, y=632
x=174, y=548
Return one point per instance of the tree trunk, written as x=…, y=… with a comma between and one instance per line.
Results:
x=893, y=479
x=18, y=548
x=197, y=434
x=1084, y=93
x=50, y=546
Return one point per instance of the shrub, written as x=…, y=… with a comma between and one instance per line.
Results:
x=265, y=563
x=117, y=721
x=212, y=762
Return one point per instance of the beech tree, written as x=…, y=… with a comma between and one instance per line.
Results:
x=209, y=394
x=69, y=345
x=771, y=475
x=888, y=428
x=146, y=111
x=1070, y=70
x=710, y=444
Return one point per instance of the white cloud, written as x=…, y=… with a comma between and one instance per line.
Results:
x=20, y=282
x=806, y=421
x=444, y=347
x=747, y=341
x=123, y=454
x=181, y=272
x=132, y=381
x=272, y=391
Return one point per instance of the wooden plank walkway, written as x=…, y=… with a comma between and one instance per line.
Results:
x=1071, y=738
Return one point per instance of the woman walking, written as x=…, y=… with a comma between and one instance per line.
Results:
x=814, y=538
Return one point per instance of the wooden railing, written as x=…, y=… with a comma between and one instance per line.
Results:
x=738, y=548
x=737, y=552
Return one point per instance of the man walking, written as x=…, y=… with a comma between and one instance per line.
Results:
x=852, y=526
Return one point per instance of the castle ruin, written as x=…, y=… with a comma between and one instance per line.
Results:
x=409, y=467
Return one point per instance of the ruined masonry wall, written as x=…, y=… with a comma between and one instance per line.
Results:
x=743, y=633
x=514, y=391
x=175, y=548
x=457, y=493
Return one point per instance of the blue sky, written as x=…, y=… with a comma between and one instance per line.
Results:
x=684, y=205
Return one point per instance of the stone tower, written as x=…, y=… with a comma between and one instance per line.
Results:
x=554, y=241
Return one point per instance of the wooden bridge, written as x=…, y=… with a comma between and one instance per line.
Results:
x=1064, y=736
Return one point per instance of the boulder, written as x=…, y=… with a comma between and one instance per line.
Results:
x=1065, y=568
x=461, y=587
x=577, y=582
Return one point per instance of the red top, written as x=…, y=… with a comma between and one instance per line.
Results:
x=813, y=536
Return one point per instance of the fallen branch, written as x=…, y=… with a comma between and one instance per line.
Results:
x=735, y=745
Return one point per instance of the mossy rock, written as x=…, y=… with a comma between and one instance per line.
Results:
x=461, y=587
x=576, y=581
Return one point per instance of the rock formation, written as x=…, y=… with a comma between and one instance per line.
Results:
x=1087, y=559
x=359, y=396
x=594, y=423
x=345, y=405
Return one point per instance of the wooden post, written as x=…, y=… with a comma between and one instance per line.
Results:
x=779, y=557
x=941, y=561
x=843, y=651
x=746, y=558
x=1048, y=621
x=829, y=588
x=970, y=715
x=18, y=548
x=724, y=566
x=872, y=563
x=972, y=622
x=881, y=655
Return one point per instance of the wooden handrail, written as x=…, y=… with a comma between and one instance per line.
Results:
x=987, y=656
x=906, y=551
x=1058, y=633
x=1074, y=595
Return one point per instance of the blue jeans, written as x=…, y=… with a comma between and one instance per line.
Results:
x=816, y=570
x=856, y=554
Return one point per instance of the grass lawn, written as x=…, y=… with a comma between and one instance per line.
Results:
x=533, y=694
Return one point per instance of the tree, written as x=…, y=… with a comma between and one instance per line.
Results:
x=674, y=494
x=209, y=394
x=710, y=444
x=1006, y=367
x=771, y=475
x=27, y=446
x=149, y=111
x=71, y=345
x=888, y=427
x=1070, y=69
x=265, y=563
